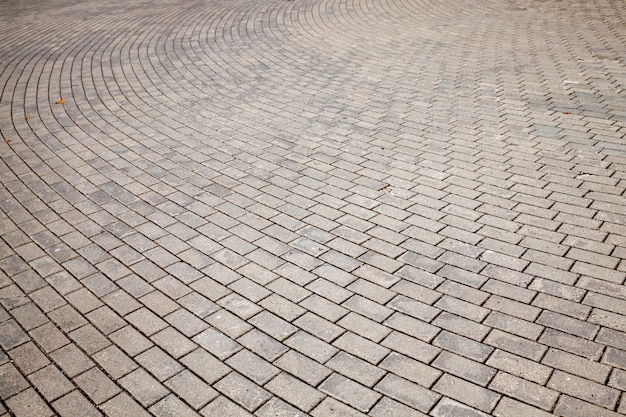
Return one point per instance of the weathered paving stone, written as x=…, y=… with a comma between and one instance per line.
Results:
x=328, y=208
x=350, y=392
x=191, y=388
x=244, y=392
x=466, y=392
x=295, y=391
x=12, y=381
x=413, y=395
x=447, y=407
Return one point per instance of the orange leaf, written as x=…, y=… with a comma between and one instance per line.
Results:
x=7, y=140
x=60, y=101
x=26, y=117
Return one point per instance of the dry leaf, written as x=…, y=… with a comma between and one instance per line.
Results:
x=7, y=140
x=26, y=117
x=60, y=101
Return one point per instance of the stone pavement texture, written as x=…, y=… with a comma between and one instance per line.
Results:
x=313, y=207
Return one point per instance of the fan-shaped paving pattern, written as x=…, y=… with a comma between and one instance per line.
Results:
x=326, y=208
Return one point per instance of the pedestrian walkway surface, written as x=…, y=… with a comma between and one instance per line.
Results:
x=313, y=207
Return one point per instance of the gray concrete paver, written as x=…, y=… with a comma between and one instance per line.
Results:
x=326, y=208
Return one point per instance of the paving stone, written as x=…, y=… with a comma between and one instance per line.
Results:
x=618, y=379
x=460, y=291
x=361, y=347
x=407, y=288
x=311, y=346
x=567, y=324
x=470, y=394
x=121, y=302
x=411, y=347
x=573, y=407
x=239, y=306
x=516, y=345
x=525, y=391
x=71, y=360
x=217, y=343
x=329, y=290
x=229, y=323
x=463, y=346
x=276, y=407
x=146, y=321
x=51, y=383
x=571, y=343
x=67, y=318
x=28, y=403
x=28, y=316
x=355, y=368
x=283, y=307
x=583, y=389
x=89, y=339
x=83, y=300
x=322, y=307
x=222, y=406
x=413, y=327
x=130, y=340
x=186, y=322
x=115, y=362
x=273, y=325
x=75, y=404
x=12, y=381
x=28, y=358
x=514, y=325
x=48, y=337
x=12, y=335
x=519, y=366
x=372, y=291
x=387, y=408
x=242, y=391
x=447, y=407
x=464, y=368
x=512, y=408
x=96, y=385
x=171, y=405
x=413, y=308
x=135, y=286
x=47, y=299
x=319, y=327
x=191, y=389
x=331, y=407
x=295, y=391
x=198, y=304
x=173, y=342
x=158, y=303
x=350, y=392
x=576, y=365
x=252, y=366
x=614, y=357
x=158, y=363
x=303, y=367
x=262, y=344
x=205, y=365
x=143, y=387
x=456, y=306
x=413, y=395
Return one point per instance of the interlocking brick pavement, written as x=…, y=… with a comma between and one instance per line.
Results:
x=324, y=207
